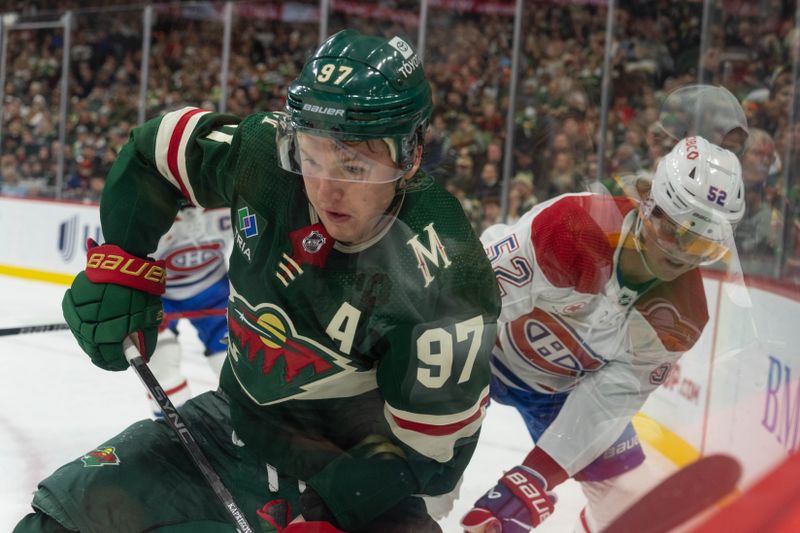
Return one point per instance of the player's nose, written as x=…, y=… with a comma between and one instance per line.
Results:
x=331, y=188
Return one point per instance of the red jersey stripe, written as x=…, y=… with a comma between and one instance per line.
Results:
x=174, y=147
x=436, y=430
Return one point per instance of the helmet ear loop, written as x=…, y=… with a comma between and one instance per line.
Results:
x=409, y=148
x=287, y=150
x=402, y=182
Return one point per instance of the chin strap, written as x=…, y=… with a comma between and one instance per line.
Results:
x=637, y=235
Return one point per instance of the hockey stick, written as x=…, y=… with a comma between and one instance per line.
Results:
x=43, y=328
x=681, y=496
x=168, y=317
x=176, y=422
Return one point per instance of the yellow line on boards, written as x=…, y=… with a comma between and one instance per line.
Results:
x=38, y=275
x=668, y=443
x=671, y=446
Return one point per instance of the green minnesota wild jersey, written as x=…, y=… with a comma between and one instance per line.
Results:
x=359, y=369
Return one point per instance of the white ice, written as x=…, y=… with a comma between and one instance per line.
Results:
x=55, y=406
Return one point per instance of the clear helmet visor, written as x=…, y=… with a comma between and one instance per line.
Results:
x=678, y=242
x=332, y=155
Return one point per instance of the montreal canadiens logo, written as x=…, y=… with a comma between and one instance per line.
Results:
x=314, y=242
x=187, y=259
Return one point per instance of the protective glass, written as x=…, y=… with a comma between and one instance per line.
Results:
x=709, y=111
x=328, y=154
x=680, y=243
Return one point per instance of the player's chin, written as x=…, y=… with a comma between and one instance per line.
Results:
x=346, y=233
x=672, y=268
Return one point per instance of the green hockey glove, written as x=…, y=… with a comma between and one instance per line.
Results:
x=118, y=294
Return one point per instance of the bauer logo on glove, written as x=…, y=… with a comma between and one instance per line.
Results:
x=518, y=503
x=112, y=264
x=118, y=294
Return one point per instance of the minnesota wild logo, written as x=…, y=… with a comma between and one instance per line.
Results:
x=101, y=457
x=273, y=362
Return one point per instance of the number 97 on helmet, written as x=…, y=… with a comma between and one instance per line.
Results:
x=356, y=89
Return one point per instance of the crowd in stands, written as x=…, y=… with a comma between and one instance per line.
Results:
x=468, y=60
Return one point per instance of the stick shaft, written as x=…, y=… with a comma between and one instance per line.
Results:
x=44, y=328
x=41, y=328
x=178, y=425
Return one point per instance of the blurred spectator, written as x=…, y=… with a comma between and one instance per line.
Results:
x=626, y=159
x=756, y=235
x=772, y=114
x=493, y=154
x=464, y=177
x=490, y=207
x=467, y=56
x=434, y=143
x=658, y=144
x=489, y=184
x=791, y=271
x=564, y=176
x=12, y=184
x=490, y=120
x=520, y=196
x=465, y=137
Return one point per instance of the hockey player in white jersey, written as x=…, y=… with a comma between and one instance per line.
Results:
x=194, y=251
x=601, y=295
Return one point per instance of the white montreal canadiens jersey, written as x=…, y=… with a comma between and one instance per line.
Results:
x=194, y=250
x=569, y=326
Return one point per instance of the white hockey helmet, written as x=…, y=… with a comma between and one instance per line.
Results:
x=696, y=200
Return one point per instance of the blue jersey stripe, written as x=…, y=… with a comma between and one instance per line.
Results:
x=508, y=374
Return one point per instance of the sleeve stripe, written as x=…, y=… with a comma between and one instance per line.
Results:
x=176, y=156
x=435, y=436
x=220, y=137
x=439, y=424
x=438, y=430
x=173, y=135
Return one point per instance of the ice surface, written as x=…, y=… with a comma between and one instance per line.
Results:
x=55, y=406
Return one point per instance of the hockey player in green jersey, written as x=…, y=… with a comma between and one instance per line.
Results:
x=361, y=316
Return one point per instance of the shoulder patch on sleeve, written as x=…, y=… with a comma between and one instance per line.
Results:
x=677, y=311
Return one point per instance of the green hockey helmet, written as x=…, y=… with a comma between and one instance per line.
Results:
x=355, y=88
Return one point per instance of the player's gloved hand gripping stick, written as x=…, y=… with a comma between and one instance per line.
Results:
x=521, y=500
x=116, y=298
x=116, y=295
x=518, y=503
